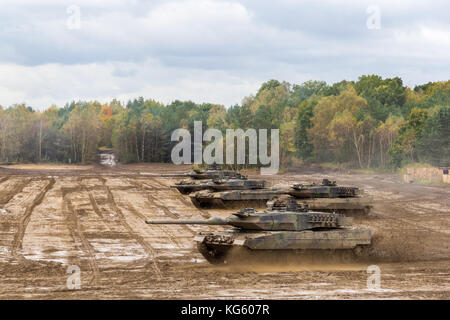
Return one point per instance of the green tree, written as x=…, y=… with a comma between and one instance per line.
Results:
x=404, y=144
x=384, y=97
x=303, y=145
x=307, y=89
x=433, y=143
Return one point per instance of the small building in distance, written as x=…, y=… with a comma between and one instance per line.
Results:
x=427, y=175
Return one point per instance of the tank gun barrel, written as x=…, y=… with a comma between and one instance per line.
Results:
x=210, y=221
x=175, y=175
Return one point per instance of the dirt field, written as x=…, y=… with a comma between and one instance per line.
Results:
x=93, y=217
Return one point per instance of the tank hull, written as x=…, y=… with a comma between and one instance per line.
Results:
x=211, y=174
x=323, y=192
x=239, y=185
x=216, y=246
x=256, y=198
x=189, y=188
x=355, y=206
x=347, y=206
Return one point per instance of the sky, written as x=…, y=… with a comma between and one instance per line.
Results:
x=56, y=51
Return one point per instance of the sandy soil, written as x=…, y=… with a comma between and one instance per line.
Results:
x=49, y=167
x=94, y=219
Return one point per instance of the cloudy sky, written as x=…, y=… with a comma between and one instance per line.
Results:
x=54, y=51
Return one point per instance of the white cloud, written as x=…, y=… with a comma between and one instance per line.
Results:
x=210, y=50
x=43, y=85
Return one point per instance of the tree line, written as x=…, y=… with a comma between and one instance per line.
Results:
x=368, y=123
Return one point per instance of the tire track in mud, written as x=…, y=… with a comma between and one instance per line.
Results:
x=151, y=198
x=189, y=203
x=415, y=225
x=147, y=247
x=3, y=179
x=97, y=210
x=73, y=223
x=180, y=197
x=136, y=212
x=7, y=195
x=25, y=219
x=408, y=212
x=159, y=183
x=166, y=211
x=111, y=201
x=170, y=214
x=394, y=201
x=148, y=186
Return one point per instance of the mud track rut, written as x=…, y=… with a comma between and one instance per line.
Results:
x=25, y=219
x=76, y=231
x=79, y=217
x=18, y=185
x=111, y=225
x=148, y=247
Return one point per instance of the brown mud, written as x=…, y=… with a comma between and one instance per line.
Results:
x=93, y=217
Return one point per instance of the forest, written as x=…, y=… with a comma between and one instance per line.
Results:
x=368, y=123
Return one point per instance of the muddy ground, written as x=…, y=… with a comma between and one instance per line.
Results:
x=53, y=217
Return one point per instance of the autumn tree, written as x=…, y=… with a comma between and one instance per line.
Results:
x=82, y=128
x=433, y=143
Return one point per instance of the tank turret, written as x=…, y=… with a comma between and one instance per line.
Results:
x=249, y=219
x=327, y=189
x=199, y=174
x=290, y=228
x=324, y=197
x=237, y=182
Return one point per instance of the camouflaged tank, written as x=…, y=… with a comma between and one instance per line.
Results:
x=329, y=197
x=199, y=174
x=228, y=199
x=326, y=197
x=238, y=182
x=328, y=189
x=289, y=229
x=356, y=206
x=188, y=186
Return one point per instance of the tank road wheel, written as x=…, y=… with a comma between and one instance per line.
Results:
x=362, y=252
x=358, y=251
x=197, y=203
x=211, y=255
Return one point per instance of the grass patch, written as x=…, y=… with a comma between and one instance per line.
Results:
x=105, y=149
x=349, y=168
x=427, y=182
x=374, y=170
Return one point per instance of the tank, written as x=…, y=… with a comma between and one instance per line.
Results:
x=242, y=183
x=328, y=189
x=235, y=199
x=326, y=197
x=238, y=182
x=356, y=206
x=199, y=174
x=329, y=197
x=188, y=186
x=291, y=229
